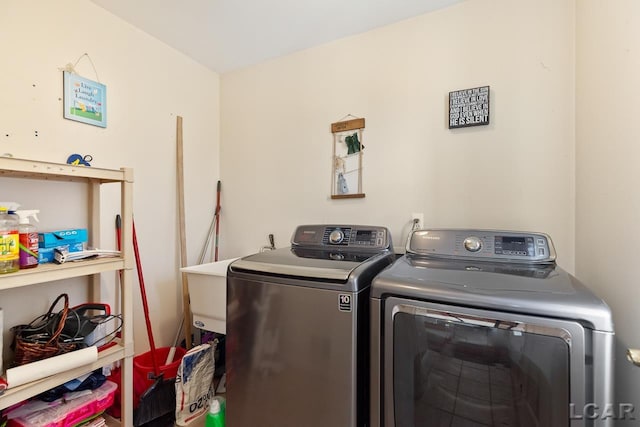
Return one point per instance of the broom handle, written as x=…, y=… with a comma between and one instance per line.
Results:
x=119, y=240
x=145, y=305
x=217, y=220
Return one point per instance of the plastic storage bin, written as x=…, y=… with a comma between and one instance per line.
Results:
x=68, y=413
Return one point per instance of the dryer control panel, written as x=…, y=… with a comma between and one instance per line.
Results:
x=343, y=236
x=489, y=245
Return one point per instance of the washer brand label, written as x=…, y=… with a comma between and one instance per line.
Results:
x=344, y=302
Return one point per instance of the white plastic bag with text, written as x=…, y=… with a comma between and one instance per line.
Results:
x=194, y=383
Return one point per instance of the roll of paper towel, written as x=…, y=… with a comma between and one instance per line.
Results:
x=51, y=366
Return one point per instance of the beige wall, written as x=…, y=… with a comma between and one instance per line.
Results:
x=516, y=173
x=607, y=173
x=148, y=84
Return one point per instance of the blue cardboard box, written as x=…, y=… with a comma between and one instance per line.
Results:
x=46, y=255
x=54, y=239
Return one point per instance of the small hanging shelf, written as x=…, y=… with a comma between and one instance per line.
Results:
x=346, y=175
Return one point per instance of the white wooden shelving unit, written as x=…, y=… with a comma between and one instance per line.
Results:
x=123, y=351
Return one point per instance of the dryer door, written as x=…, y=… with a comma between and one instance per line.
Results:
x=448, y=365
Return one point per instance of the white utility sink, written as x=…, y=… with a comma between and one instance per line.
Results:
x=207, y=285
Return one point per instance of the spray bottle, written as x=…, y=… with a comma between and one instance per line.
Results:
x=12, y=207
x=28, y=238
x=9, y=253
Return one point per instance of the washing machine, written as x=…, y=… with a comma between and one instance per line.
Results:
x=297, y=349
x=482, y=328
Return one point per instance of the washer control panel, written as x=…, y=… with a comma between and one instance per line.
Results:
x=490, y=245
x=344, y=236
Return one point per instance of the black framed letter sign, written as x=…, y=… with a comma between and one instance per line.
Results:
x=469, y=107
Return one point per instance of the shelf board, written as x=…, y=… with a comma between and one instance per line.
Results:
x=20, y=168
x=51, y=271
x=347, y=196
x=14, y=395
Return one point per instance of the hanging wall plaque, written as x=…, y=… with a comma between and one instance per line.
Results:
x=469, y=107
x=84, y=100
x=346, y=179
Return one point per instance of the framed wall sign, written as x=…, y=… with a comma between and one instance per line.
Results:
x=85, y=100
x=469, y=107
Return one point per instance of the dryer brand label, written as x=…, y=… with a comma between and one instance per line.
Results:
x=344, y=302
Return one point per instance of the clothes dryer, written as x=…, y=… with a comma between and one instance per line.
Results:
x=482, y=328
